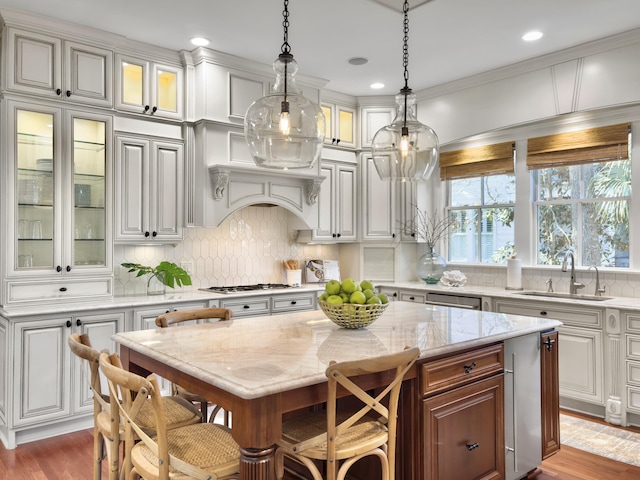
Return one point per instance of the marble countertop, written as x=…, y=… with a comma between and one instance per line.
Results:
x=257, y=356
x=141, y=301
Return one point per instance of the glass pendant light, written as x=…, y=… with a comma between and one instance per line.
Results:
x=405, y=150
x=285, y=129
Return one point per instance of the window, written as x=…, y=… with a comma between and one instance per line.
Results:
x=483, y=207
x=481, y=197
x=582, y=197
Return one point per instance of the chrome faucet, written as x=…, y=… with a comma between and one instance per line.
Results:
x=599, y=291
x=573, y=285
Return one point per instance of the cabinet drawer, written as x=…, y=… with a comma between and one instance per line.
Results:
x=461, y=369
x=246, y=307
x=633, y=347
x=87, y=288
x=413, y=297
x=633, y=373
x=633, y=322
x=289, y=303
x=633, y=399
x=569, y=314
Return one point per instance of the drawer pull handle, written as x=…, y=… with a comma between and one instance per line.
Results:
x=293, y=302
x=543, y=313
x=246, y=307
x=63, y=289
x=468, y=368
x=412, y=298
x=549, y=343
x=472, y=446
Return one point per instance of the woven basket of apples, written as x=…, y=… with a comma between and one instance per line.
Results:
x=352, y=304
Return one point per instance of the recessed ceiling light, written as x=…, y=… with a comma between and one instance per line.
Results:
x=200, y=41
x=358, y=60
x=532, y=36
x=377, y=85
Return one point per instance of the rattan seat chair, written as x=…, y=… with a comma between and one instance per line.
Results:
x=108, y=434
x=201, y=450
x=180, y=316
x=338, y=438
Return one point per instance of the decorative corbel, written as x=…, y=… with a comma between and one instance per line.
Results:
x=312, y=189
x=219, y=182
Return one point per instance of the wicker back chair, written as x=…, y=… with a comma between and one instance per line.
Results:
x=180, y=316
x=341, y=438
x=200, y=450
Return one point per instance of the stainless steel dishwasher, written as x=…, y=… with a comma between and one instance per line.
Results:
x=459, y=301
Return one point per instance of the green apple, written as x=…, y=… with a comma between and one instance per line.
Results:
x=358, y=297
x=383, y=298
x=374, y=300
x=367, y=285
x=368, y=293
x=323, y=297
x=345, y=297
x=349, y=285
x=334, y=300
x=332, y=287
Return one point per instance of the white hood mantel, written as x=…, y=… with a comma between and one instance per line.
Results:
x=235, y=187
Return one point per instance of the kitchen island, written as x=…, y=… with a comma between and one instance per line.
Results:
x=262, y=367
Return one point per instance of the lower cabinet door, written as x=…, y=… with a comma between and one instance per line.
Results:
x=463, y=432
x=550, y=393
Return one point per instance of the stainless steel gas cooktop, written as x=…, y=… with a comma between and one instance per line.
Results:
x=246, y=288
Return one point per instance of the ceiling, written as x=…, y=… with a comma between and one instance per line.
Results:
x=448, y=39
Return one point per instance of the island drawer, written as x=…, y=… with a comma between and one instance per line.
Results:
x=248, y=306
x=451, y=372
x=289, y=303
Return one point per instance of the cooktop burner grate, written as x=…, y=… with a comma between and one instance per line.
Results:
x=246, y=288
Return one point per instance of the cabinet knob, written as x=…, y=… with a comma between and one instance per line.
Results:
x=393, y=235
x=543, y=313
x=339, y=235
x=333, y=235
x=337, y=141
x=69, y=324
x=333, y=140
x=58, y=269
x=549, y=343
x=468, y=368
x=63, y=289
x=79, y=322
x=146, y=234
x=58, y=91
x=395, y=294
x=154, y=234
x=154, y=109
x=146, y=109
x=472, y=446
x=68, y=268
x=68, y=93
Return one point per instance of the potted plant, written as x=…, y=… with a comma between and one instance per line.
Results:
x=165, y=274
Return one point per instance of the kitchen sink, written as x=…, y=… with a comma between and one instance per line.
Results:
x=593, y=298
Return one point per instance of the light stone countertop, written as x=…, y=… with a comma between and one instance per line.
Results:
x=19, y=312
x=256, y=356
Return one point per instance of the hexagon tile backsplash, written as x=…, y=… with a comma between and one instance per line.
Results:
x=247, y=248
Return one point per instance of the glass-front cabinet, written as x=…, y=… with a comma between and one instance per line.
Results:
x=59, y=214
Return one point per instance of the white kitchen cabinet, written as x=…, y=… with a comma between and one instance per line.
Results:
x=59, y=202
x=378, y=206
x=581, y=347
x=373, y=119
x=337, y=204
x=149, y=190
x=340, y=125
x=149, y=88
x=631, y=320
x=46, y=65
x=47, y=384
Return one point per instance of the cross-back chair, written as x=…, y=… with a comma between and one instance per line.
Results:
x=341, y=438
x=200, y=450
x=181, y=316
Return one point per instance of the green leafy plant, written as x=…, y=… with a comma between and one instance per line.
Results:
x=168, y=273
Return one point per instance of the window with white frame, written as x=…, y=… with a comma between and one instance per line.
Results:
x=481, y=198
x=582, y=195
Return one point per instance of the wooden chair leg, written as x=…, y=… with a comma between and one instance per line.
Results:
x=204, y=406
x=98, y=454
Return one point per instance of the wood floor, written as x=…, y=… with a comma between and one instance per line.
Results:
x=68, y=457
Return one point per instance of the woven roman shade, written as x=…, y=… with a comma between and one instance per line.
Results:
x=474, y=162
x=592, y=145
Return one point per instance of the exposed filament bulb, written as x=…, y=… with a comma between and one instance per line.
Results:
x=284, y=118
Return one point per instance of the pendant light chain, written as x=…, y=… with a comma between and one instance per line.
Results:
x=405, y=63
x=286, y=48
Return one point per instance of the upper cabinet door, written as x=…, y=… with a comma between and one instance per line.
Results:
x=340, y=125
x=149, y=88
x=45, y=65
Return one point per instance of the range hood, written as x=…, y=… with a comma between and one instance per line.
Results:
x=234, y=187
